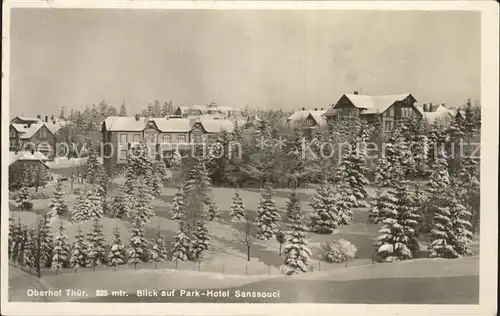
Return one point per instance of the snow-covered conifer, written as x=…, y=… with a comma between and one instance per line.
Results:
x=181, y=247
x=16, y=239
x=121, y=204
x=237, y=211
x=324, y=218
x=159, y=249
x=398, y=235
x=162, y=171
x=382, y=174
x=92, y=166
x=344, y=203
x=440, y=177
x=296, y=251
x=96, y=251
x=29, y=254
x=61, y=250
x=142, y=201
x=46, y=241
x=212, y=211
x=451, y=235
x=81, y=210
x=138, y=246
x=24, y=202
x=268, y=217
x=178, y=204
x=79, y=250
x=23, y=238
x=95, y=204
x=116, y=255
x=351, y=175
x=58, y=205
x=176, y=160
x=375, y=215
x=200, y=241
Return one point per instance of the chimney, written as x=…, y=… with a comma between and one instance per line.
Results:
x=137, y=117
x=356, y=92
x=315, y=109
x=46, y=119
x=322, y=109
x=39, y=117
x=303, y=109
x=424, y=106
x=443, y=104
x=430, y=107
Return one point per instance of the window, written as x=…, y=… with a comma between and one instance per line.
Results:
x=12, y=133
x=210, y=137
x=391, y=111
x=123, y=138
x=137, y=138
x=122, y=155
x=13, y=143
x=197, y=138
x=166, y=139
x=406, y=112
x=181, y=138
x=150, y=138
x=310, y=122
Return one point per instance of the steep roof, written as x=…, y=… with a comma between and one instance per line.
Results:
x=440, y=113
x=303, y=114
x=27, y=131
x=217, y=126
x=372, y=103
x=173, y=125
x=26, y=155
x=125, y=123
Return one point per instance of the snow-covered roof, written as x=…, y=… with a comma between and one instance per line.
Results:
x=27, y=131
x=54, y=127
x=440, y=113
x=26, y=155
x=373, y=103
x=303, y=114
x=173, y=125
x=217, y=126
x=125, y=123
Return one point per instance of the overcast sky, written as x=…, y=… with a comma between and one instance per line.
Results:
x=281, y=59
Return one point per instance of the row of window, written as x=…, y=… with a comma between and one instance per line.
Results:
x=165, y=139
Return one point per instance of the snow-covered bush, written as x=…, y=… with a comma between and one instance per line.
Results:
x=338, y=251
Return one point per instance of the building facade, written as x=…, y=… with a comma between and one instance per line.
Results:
x=391, y=110
x=162, y=135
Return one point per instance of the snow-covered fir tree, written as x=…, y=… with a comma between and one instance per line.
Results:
x=451, y=235
x=297, y=252
x=435, y=139
x=60, y=258
x=96, y=251
x=138, y=245
x=162, y=171
x=351, y=174
x=198, y=177
x=46, y=241
x=268, y=216
x=345, y=201
x=144, y=209
x=116, y=254
x=12, y=233
x=178, y=204
x=324, y=218
x=440, y=177
x=158, y=250
x=16, y=238
x=382, y=173
x=81, y=210
x=176, y=160
x=29, y=254
x=79, y=250
x=156, y=185
x=237, y=211
x=469, y=190
x=95, y=204
x=397, y=155
x=58, y=205
x=181, y=247
x=24, y=202
x=121, y=204
x=296, y=154
x=397, y=238
x=293, y=210
x=91, y=166
x=375, y=215
x=23, y=238
x=200, y=241
x=212, y=211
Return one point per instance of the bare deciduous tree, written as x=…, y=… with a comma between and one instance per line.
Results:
x=246, y=235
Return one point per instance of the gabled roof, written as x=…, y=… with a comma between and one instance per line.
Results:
x=440, y=113
x=174, y=125
x=27, y=131
x=125, y=123
x=373, y=104
x=26, y=156
x=27, y=118
x=54, y=127
x=217, y=126
x=302, y=115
